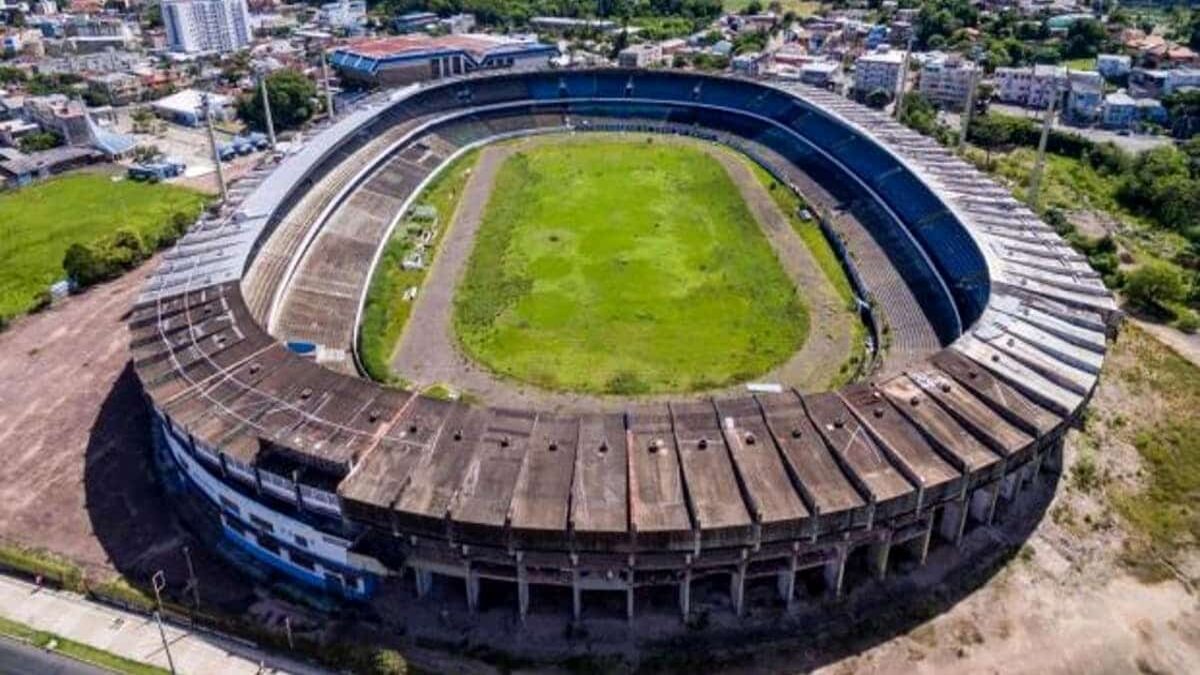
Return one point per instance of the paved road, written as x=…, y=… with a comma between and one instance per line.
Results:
x=1132, y=143
x=18, y=658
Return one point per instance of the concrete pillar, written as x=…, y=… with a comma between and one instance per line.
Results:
x=576, y=596
x=923, y=542
x=835, y=571
x=737, y=588
x=954, y=521
x=629, y=598
x=472, y=581
x=1010, y=485
x=522, y=591
x=879, y=553
x=424, y=579
x=787, y=583
x=1054, y=457
x=685, y=594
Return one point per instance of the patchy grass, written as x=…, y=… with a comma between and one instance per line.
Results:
x=810, y=233
x=76, y=650
x=386, y=312
x=1165, y=511
x=38, y=223
x=622, y=266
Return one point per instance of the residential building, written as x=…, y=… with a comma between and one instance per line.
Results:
x=1113, y=66
x=947, y=82
x=562, y=24
x=116, y=88
x=878, y=70
x=1182, y=78
x=206, y=26
x=1085, y=96
x=747, y=64
x=416, y=58
x=1119, y=110
x=820, y=73
x=1033, y=87
x=345, y=15
x=414, y=22
x=458, y=23
x=640, y=56
x=1147, y=83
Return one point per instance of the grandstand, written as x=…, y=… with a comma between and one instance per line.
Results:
x=341, y=483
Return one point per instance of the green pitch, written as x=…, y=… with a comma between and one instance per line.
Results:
x=38, y=223
x=624, y=267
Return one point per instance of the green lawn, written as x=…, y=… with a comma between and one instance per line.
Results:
x=624, y=267
x=800, y=7
x=39, y=222
x=386, y=311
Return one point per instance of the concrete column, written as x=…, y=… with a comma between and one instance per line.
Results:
x=424, y=579
x=737, y=588
x=787, y=583
x=1010, y=485
x=472, y=581
x=954, y=521
x=685, y=594
x=576, y=596
x=1054, y=457
x=629, y=598
x=923, y=542
x=835, y=571
x=879, y=553
x=522, y=591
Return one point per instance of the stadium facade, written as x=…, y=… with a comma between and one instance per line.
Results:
x=338, y=482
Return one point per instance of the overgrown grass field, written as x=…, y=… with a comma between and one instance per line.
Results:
x=624, y=267
x=386, y=311
x=38, y=224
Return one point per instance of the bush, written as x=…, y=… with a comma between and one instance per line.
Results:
x=1189, y=322
x=1155, y=285
x=387, y=662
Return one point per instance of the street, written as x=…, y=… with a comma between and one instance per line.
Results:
x=18, y=658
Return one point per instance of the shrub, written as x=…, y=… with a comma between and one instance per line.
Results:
x=387, y=662
x=1155, y=285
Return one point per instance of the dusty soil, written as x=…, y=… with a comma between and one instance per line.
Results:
x=431, y=355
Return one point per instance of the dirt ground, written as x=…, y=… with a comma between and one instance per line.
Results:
x=431, y=356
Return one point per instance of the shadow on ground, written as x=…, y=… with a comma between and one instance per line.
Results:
x=131, y=515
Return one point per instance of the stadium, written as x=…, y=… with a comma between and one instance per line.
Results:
x=992, y=328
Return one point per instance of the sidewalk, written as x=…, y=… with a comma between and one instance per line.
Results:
x=134, y=636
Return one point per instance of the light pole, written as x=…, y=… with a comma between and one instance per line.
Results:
x=1035, y=179
x=162, y=633
x=328, y=93
x=212, y=141
x=262, y=84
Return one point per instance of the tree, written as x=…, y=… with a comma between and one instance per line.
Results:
x=1183, y=107
x=84, y=266
x=1085, y=37
x=1154, y=285
x=293, y=100
x=753, y=7
x=39, y=141
x=878, y=98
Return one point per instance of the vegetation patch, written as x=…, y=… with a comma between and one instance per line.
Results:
x=624, y=267
x=40, y=223
x=809, y=231
x=1164, y=510
x=388, y=307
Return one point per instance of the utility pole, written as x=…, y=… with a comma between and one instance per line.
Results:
x=262, y=83
x=328, y=94
x=1035, y=179
x=899, y=107
x=166, y=645
x=212, y=141
x=969, y=110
